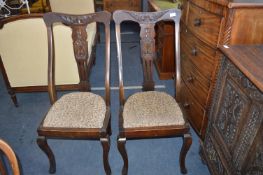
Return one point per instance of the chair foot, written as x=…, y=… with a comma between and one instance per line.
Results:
x=105, y=142
x=42, y=143
x=121, y=147
x=14, y=99
x=187, y=142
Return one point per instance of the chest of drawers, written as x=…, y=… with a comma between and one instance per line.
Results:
x=205, y=25
x=234, y=140
x=112, y=5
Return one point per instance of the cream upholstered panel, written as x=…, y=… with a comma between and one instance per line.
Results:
x=72, y=6
x=77, y=110
x=63, y=41
x=24, y=51
x=151, y=108
x=23, y=48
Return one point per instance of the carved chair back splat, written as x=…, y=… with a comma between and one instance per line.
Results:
x=149, y=118
x=77, y=115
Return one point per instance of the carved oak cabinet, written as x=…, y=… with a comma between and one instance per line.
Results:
x=205, y=25
x=234, y=141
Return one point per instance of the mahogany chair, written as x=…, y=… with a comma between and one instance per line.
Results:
x=150, y=114
x=77, y=115
x=9, y=153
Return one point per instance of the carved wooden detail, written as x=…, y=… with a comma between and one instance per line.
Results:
x=80, y=46
x=229, y=117
x=256, y=166
x=214, y=157
x=77, y=19
x=147, y=35
x=233, y=144
x=228, y=27
x=146, y=17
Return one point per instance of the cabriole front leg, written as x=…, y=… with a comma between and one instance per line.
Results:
x=42, y=143
x=121, y=147
x=187, y=142
x=105, y=142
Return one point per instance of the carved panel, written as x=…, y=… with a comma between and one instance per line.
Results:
x=146, y=17
x=77, y=19
x=245, y=83
x=147, y=35
x=256, y=165
x=213, y=157
x=80, y=44
x=237, y=115
x=230, y=113
x=247, y=136
x=148, y=53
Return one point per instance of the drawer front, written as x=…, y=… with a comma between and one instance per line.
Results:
x=112, y=5
x=201, y=55
x=204, y=25
x=195, y=113
x=213, y=7
x=194, y=80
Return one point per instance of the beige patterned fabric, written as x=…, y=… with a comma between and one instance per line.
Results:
x=77, y=110
x=152, y=108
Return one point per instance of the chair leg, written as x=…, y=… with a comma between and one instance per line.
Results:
x=13, y=97
x=105, y=142
x=187, y=142
x=42, y=143
x=109, y=129
x=121, y=147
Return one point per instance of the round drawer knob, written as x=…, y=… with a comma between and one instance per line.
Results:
x=190, y=79
x=197, y=22
x=186, y=105
x=194, y=51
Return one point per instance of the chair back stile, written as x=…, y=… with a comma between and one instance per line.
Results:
x=177, y=59
x=78, y=24
x=147, y=22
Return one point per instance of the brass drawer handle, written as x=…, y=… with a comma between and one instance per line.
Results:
x=190, y=79
x=197, y=22
x=194, y=51
x=186, y=105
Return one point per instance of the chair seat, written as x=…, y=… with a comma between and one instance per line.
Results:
x=151, y=108
x=77, y=110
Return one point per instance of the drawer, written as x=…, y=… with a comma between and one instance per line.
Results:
x=112, y=5
x=198, y=53
x=195, y=113
x=212, y=6
x=205, y=25
x=195, y=81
